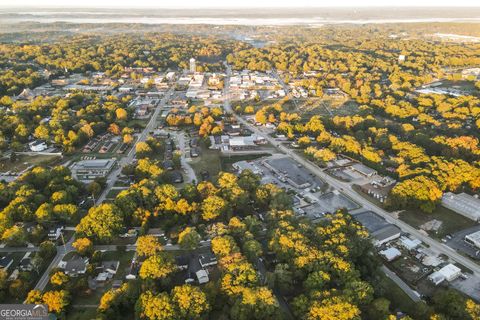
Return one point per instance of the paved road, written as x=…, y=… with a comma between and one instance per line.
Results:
x=285, y=87
x=409, y=291
x=347, y=190
x=226, y=89
x=18, y=249
x=132, y=247
x=113, y=176
x=61, y=252
x=188, y=170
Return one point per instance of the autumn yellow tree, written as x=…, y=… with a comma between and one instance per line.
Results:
x=148, y=246
x=190, y=302
x=156, y=267
x=212, y=207
x=57, y=301
x=84, y=246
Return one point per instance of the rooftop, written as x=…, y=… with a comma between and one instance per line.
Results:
x=449, y=270
x=474, y=236
x=376, y=225
x=290, y=169
x=391, y=253
x=371, y=221
x=363, y=169
x=462, y=203
x=94, y=164
x=386, y=232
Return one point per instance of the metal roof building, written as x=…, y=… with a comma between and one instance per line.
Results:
x=363, y=169
x=379, y=228
x=463, y=204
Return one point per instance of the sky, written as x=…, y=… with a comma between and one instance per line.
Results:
x=236, y=3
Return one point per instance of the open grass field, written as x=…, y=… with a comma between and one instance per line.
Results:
x=208, y=160
x=328, y=107
x=24, y=161
x=451, y=221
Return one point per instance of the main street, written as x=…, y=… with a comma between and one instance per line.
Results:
x=347, y=190
x=128, y=159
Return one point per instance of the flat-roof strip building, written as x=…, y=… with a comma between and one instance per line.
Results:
x=88, y=170
x=286, y=167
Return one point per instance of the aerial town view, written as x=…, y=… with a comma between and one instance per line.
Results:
x=263, y=160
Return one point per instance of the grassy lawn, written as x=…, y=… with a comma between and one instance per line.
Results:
x=328, y=106
x=400, y=301
x=92, y=298
x=138, y=122
x=214, y=162
x=24, y=161
x=119, y=183
x=451, y=221
x=208, y=160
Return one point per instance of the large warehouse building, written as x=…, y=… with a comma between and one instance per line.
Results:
x=379, y=228
x=463, y=204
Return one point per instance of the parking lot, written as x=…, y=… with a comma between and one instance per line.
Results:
x=458, y=243
x=313, y=197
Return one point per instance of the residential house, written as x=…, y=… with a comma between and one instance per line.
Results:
x=176, y=177
x=55, y=232
x=194, y=152
x=110, y=266
x=182, y=262
x=202, y=276
x=75, y=266
x=207, y=260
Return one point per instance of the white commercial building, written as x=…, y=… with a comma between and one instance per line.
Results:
x=410, y=244
x=473, y=239
x=463, y=204
x=450, y=272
